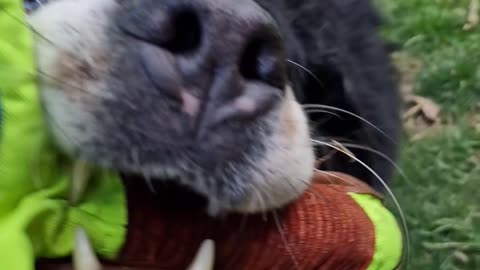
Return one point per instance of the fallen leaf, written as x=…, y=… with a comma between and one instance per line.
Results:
x=420, y=134
x=461, y=256
x=473, y=121
x=421, y=117
x=410, y=113
x=425, y=106
x=475, y=159
x=408, y=67
x=472, y=15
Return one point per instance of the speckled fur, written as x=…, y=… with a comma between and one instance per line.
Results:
x=102, y=109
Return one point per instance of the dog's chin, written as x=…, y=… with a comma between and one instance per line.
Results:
x=173, y=189
x=246, y=190
x=175, y=192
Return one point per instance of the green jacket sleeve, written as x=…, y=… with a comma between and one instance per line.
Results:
x=35, y=218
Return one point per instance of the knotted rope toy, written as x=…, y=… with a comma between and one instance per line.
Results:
x=339, y=223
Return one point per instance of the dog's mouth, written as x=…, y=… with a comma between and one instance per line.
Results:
x=167, y=191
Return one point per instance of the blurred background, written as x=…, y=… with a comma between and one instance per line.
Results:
x=437, y=51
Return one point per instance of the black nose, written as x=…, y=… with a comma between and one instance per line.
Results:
x=220, y=58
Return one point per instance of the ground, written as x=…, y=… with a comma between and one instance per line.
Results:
x=440, y=62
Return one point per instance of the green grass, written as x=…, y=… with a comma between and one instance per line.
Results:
x=442, y=198
x=432, y=30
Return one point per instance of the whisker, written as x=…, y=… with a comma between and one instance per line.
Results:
x=63, y=83
x=400, y=171
x=318, y=123
x=261, y=202
x=321, y=106
x=284, y=239
x=32, y=74
x=310, y=189
x=149, y=182
x=332, y=138
x=146, y=176
x=319, y=161
x=389, y=160
x=308, y=71
x=39, y=2
x=313, y=191
x=341, y=146
x=331, y=107
x=336, y=176
x=324, y=111
x=35, y=165
x=28, y=26
x=15, y=74
x=35, y=162
x=387, y=188
x=314, y=106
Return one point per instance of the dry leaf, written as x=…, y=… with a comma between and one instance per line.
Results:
x=409, y=67
x=425, y=106
x=422, y=117
x=475, y=159
x=409, y=124
x=410, y=113
x=474, y=121
x=431, y=131
x=472, y=15
x=461, y=256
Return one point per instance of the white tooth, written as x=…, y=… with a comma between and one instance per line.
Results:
x=83, y=255
x=205, y=257
x=79, y=181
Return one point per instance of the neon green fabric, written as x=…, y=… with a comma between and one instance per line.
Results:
x=388, y=236
x=35, y=218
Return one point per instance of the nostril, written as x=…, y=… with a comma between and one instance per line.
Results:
x=177, y=30
x=263, y=60
x=186, y=32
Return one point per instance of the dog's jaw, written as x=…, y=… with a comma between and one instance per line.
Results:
x=86, y=98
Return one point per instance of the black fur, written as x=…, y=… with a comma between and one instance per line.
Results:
x=338, y=41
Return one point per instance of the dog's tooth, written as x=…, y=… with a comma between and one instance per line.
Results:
x=79, y=181
x=83, y=255
x=205, y=257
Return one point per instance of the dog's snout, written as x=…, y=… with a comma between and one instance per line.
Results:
x=189, y=92
x=177, y=30
x=219, y=59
